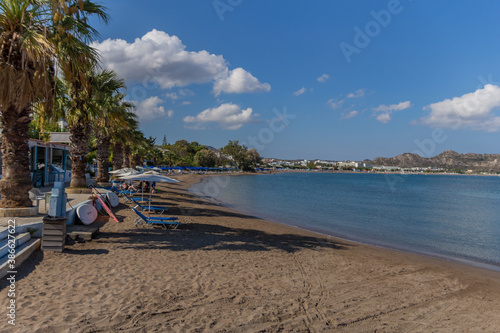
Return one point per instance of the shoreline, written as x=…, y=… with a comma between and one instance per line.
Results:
x=459, y=266
x=223, y=271
x=447, y=258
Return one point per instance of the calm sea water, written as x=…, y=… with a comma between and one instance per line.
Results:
x=455, y=217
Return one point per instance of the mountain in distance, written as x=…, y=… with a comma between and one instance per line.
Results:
x=447, y=160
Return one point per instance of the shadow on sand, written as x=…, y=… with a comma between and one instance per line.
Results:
x=208, y=237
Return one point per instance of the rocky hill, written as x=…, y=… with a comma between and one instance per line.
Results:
x=447, y=160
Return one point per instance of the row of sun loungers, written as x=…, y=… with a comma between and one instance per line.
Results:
x=138, y=208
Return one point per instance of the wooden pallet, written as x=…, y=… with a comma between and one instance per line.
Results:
x=53, y=234
x=85, y=232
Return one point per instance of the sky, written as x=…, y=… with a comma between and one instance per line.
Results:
x=331, y=80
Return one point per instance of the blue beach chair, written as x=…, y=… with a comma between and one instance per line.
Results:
x=172, y=222
x=156, y=209
x=118, y=191
x=133, y=199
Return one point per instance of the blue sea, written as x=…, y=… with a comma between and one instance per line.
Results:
x=452, y=217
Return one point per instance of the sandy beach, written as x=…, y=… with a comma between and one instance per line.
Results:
x=223, y=271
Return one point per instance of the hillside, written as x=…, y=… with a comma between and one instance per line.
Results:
x=448, y=160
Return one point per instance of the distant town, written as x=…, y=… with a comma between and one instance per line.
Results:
x=361, y=166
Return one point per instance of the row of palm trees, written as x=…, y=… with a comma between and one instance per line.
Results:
x=47, y=67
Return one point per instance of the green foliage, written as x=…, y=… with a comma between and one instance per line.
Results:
x=311, y=165
x=91, y=156
x=205, y=158
x=39, y=126
x=245, y=159
x=181, y=153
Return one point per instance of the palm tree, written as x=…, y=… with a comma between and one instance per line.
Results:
x=134, y=149
x=117, y=118
x=114, y=114
x=120, y=136
x=117, y=148
x=77, y=61
x=26, y=63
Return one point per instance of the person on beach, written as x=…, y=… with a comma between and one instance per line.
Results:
x=144, y=185
x=129, y=187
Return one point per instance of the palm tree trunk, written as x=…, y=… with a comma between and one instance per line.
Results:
x=103, y=144
x=79, y=148
x=126, y=159
x=131, y=160
x=137, y=159
x=16, y=181
x=117, y=156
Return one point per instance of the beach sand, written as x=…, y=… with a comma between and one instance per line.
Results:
x=223, y=271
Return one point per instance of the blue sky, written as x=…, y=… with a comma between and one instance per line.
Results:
x=331, y=80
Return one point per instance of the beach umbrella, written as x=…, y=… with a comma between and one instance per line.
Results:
x=120, y=170
x=151, y=172
x=150, y=176
x=124, y=171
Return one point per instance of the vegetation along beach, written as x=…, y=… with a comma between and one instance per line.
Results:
x=249, y=166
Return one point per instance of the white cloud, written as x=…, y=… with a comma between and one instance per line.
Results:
x=350, y=115
x=162, y=59
x=335, y=104
x=150, y=109
x=323, y=78
x=358, y=93
x=239, y=81
x=186, y=103
x=300, y=91
x=393, y=107
x=384, y=112
x=228, y=116
x=473, y=110
x=173, y=96
x=384, y=117
x=170, y=113
x=179, y=94
x=186, y=92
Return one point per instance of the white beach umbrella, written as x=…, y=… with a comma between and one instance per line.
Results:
x=121, y=170
x=128, y=173
x=150, y=176
x=152, y=172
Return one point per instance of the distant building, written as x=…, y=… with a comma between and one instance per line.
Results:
x=352, y=164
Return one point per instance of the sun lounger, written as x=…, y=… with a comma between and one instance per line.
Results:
x=152, y=221
x=157, y=209
x=133, y=200
x=118, y=191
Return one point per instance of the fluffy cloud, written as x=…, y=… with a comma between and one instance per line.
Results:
x=350, y=115
x=300, y=91
x=358, y=93
x=384, y=117
x=334, y=103
x=173, y=96
x=383, y=112
x=150, y=109
x=473, y=110
x=180, y=94
x=162, y=59
x=239, y=81
x=323, y=78
x=228, y=116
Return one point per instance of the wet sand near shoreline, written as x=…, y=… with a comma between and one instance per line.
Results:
x=223, y=271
